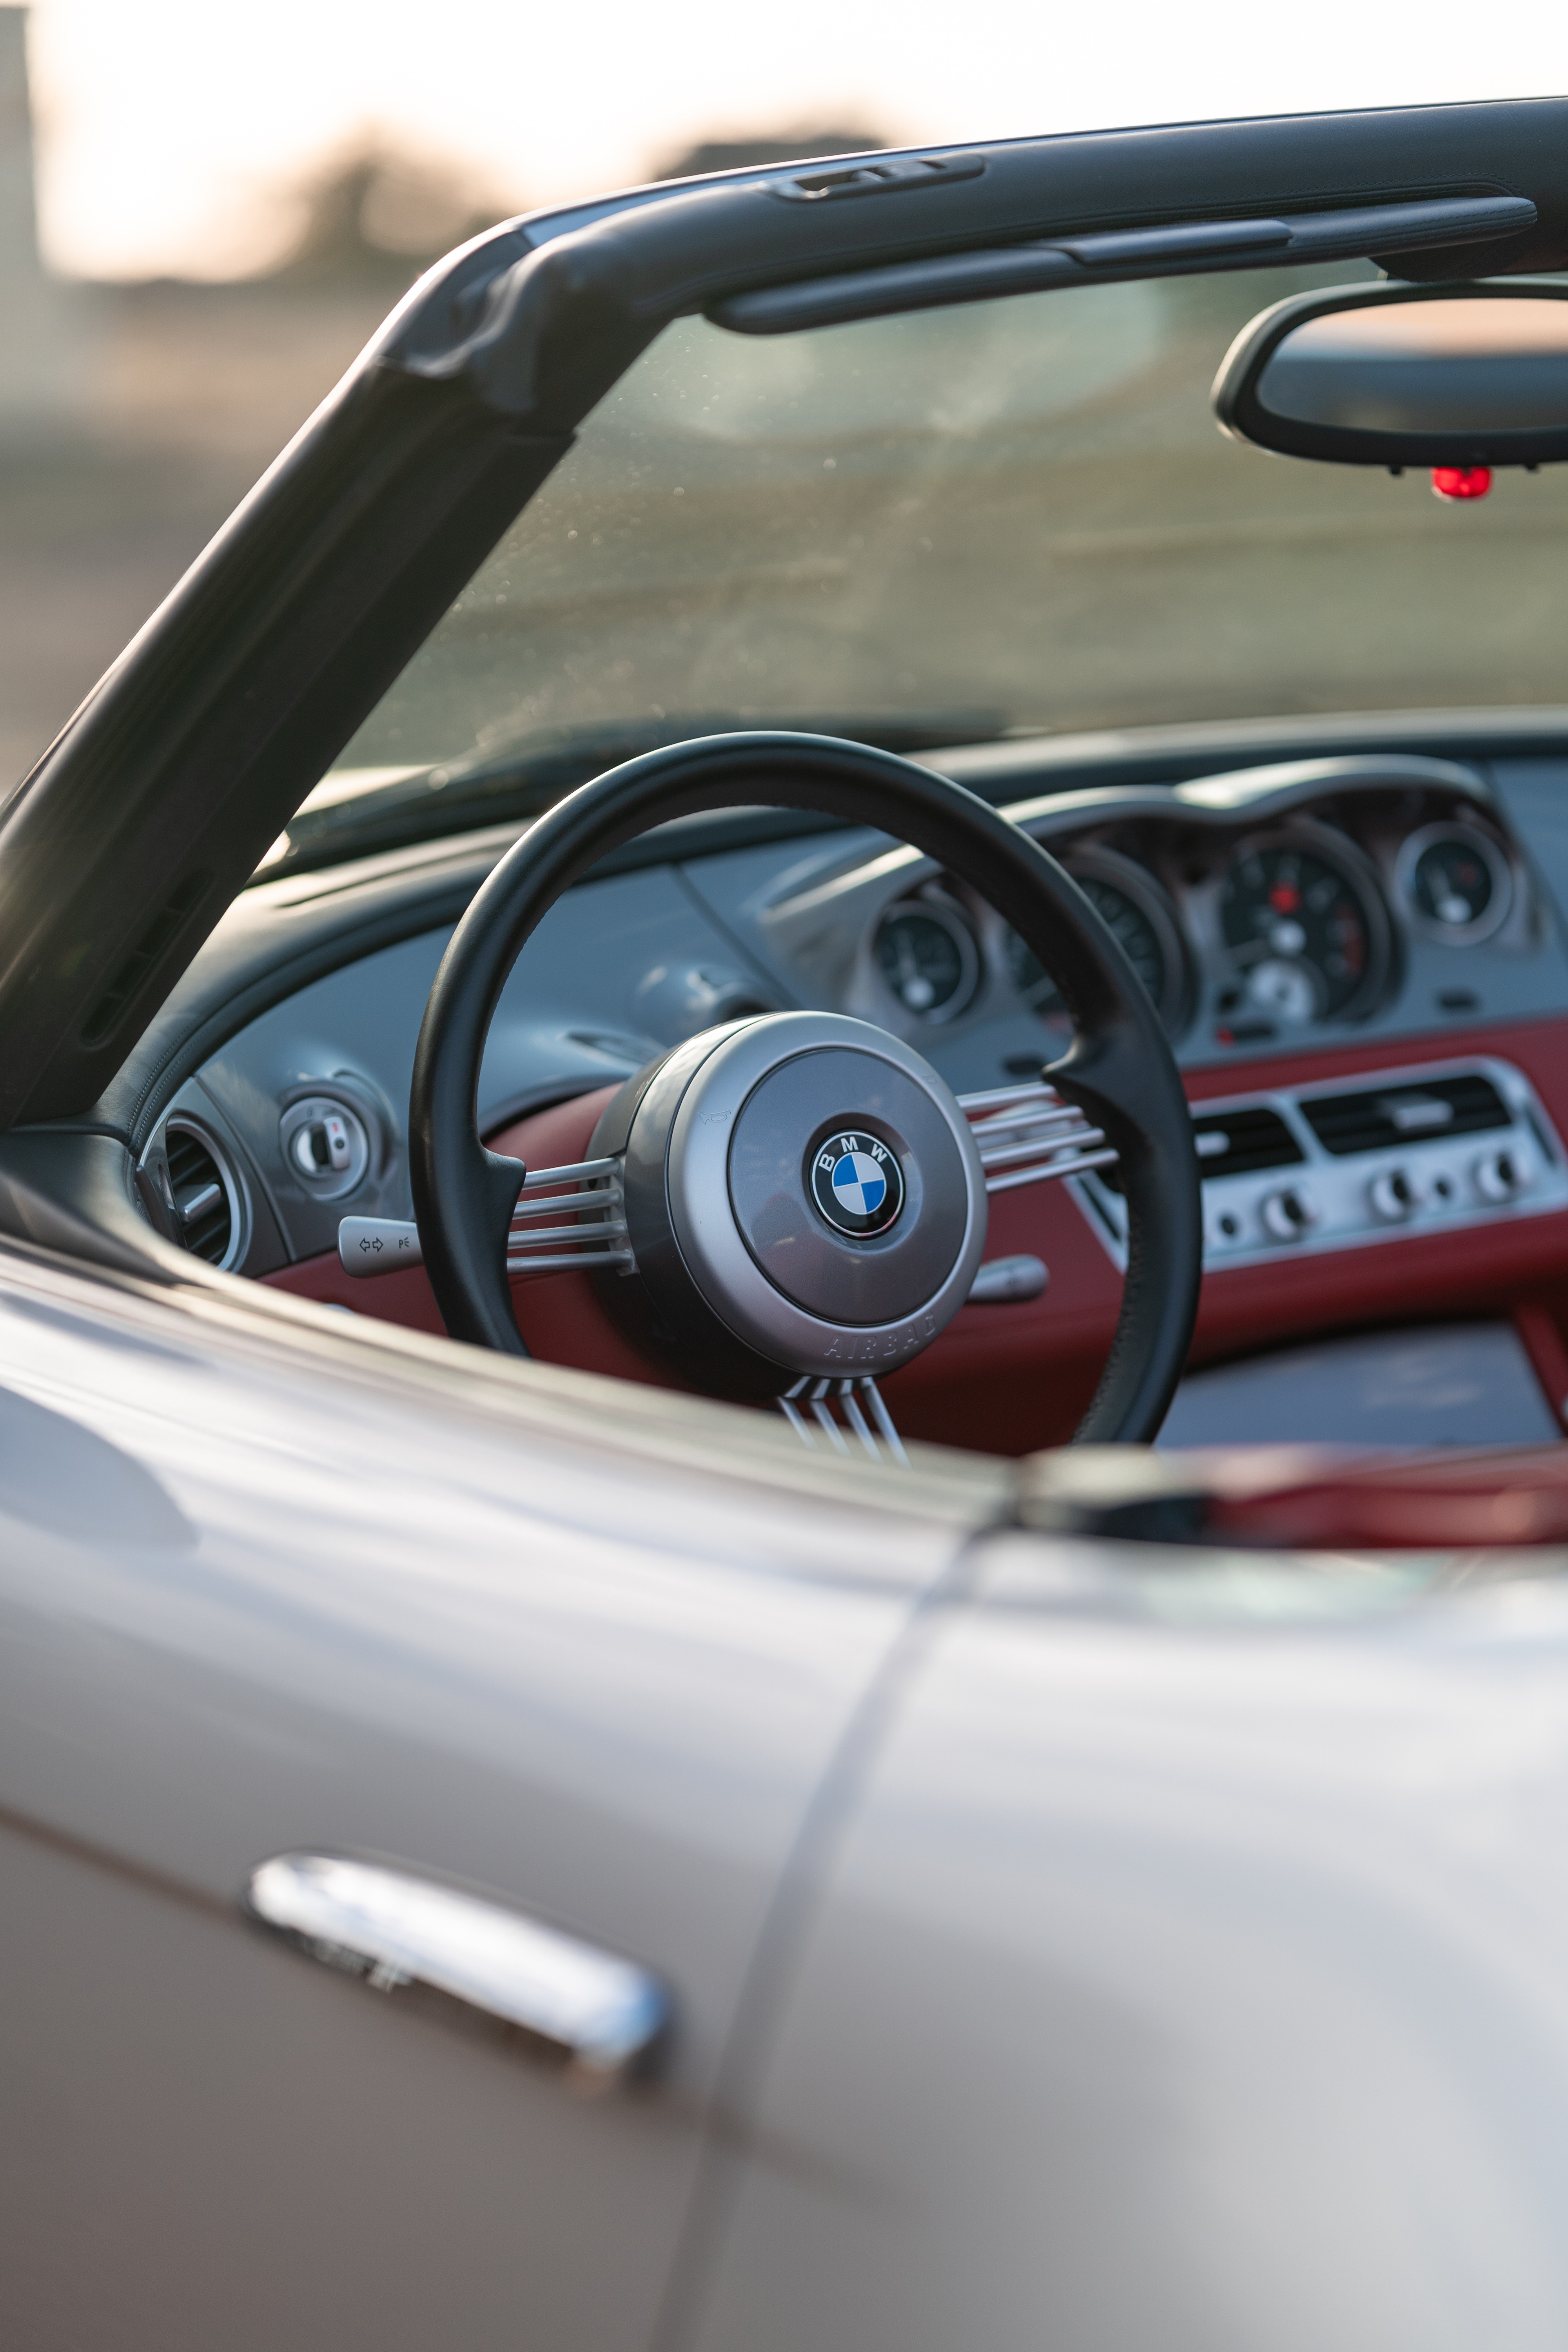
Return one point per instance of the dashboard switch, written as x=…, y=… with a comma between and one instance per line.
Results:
x=323, y=1148
x=326, y=1146
x=1006, y=1280
x=1288, y=1215
x=1396, y=1195
x=1503, y=1175
x=371, y=1245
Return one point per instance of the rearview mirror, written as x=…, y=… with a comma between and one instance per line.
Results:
x=1472, y=376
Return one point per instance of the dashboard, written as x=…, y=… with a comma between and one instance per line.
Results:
x=1370, y=936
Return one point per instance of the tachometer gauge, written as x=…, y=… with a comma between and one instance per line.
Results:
x=1135, y=912
x=927, y=956
x=1305, y=930
x=1455, y=882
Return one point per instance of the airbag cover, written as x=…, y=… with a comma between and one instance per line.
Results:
x=788, y=1117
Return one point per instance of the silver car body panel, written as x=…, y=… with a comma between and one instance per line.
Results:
x=1191, y=1975
x=269, y=1580
x=1112, y=1941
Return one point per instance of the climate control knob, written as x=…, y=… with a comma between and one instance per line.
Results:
x=1288, y=1215
x=1503, y=1175
x=1396, y=1195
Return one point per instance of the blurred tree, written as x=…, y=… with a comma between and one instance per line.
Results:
x=376, y=215
x=768, y=147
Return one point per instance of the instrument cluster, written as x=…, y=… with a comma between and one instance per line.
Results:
x=1243, y=934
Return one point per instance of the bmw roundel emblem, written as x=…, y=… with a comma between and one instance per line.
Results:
x=856, y=1182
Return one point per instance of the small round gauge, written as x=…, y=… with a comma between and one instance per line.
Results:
x=1304, y=929
x=1455, y=881
x=1139, y=925
x=927, y=956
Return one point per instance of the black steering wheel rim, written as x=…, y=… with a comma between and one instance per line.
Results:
x=1119, y=1068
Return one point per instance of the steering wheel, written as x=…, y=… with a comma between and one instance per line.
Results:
x=757, y=1260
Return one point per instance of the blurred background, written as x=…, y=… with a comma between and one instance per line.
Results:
x=205, y=210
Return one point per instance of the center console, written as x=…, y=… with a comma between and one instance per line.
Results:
x=1335, y=1164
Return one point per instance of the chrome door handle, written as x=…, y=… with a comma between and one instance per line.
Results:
x=599, y=2013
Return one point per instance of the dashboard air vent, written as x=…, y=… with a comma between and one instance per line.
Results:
x=1380, y=1118
x=1236, y=1142
x=206, y=1202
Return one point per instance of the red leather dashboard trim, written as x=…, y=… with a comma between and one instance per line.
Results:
x=1431, y=1502
x=1010, y=1379
x=559, y=1315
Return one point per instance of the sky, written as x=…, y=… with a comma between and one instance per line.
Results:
x=168, y=128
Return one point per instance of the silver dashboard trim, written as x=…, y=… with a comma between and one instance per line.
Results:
x=1332, y=1181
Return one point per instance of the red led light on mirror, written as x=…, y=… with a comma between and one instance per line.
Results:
x=1461, y=481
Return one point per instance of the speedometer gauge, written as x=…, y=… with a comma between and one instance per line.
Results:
x=1131, y=909
x=1304, y=929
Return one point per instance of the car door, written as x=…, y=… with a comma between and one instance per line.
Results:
x=270, y=1582
x=1189, y=1974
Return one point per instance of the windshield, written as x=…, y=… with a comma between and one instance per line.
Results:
x=1017, y=516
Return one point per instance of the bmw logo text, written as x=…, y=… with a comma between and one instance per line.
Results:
x=856, y=1182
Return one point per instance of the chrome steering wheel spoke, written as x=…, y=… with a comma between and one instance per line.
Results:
x=1028, y=1134
x=590, y=1192
x=852, y=1398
